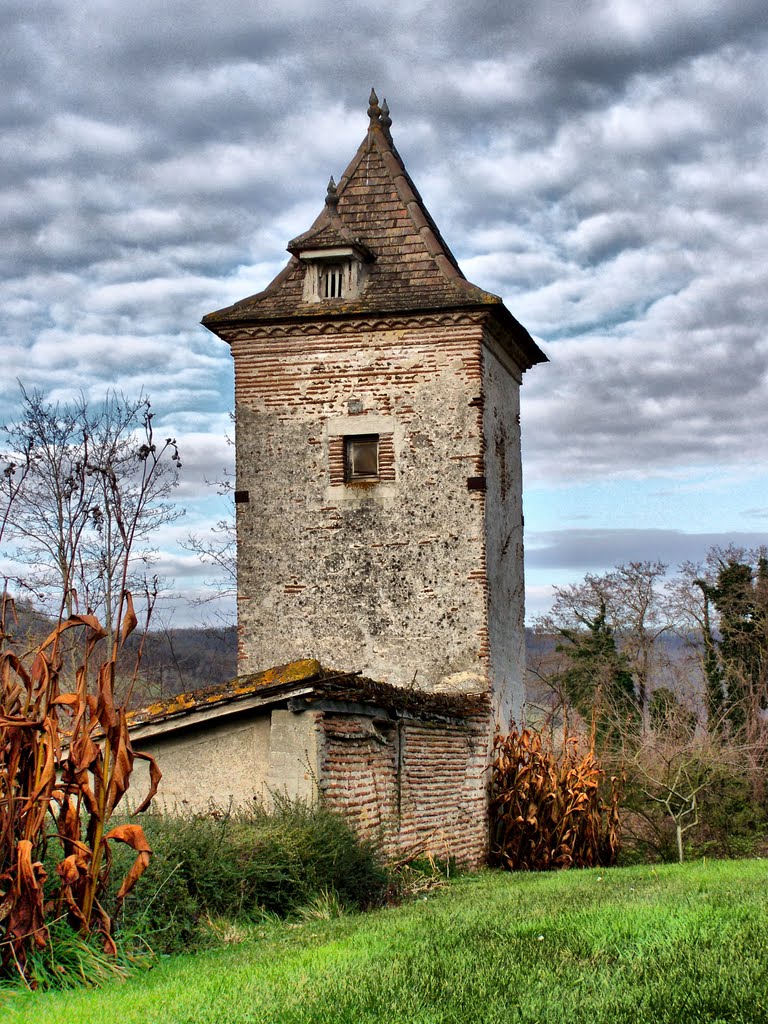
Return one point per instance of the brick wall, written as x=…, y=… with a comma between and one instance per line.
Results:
x=419, y=783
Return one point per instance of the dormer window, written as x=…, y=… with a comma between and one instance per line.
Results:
x=332, y=281
x=333, y=273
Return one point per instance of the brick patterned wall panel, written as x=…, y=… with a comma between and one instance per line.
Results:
x=419, y=784
x=359, y=774
x=386, y=457
x=336, y=466
x=443, y=786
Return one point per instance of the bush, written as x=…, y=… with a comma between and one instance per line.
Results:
x=727, y=821
x=242, y=863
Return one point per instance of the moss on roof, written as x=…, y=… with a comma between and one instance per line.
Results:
x=293, y=673
x=314, y=683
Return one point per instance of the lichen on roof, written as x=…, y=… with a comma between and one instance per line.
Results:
x=314, y=683
x=294, y=672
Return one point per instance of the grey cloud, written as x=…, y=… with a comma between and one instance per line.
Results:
x=602, y=166
x=600, y=549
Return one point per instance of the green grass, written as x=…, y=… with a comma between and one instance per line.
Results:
x=640, y=944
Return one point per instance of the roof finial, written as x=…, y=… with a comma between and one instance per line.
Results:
x=374, y=110
x=386, y=120
x=331, y=198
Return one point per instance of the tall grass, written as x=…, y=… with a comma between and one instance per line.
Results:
x=241, y=864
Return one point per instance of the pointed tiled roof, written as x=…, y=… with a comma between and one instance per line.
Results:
x=377, y=210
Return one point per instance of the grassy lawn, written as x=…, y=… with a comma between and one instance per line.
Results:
x=635, y=944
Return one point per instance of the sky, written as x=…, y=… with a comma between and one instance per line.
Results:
x=601, y=166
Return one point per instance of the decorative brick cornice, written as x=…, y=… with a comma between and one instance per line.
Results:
x=325, y=328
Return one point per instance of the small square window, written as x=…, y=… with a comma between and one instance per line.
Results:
x=361, y=457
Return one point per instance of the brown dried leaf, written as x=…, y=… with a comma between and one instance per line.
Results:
x=130, y=621
x=27, y=916
x=122, y=765
x=68, y=699
x=70, y=868
x=154, y=780
x=134, y=836
x=96, y=630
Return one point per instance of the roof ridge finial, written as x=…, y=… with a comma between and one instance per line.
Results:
x=386, y=120
x=331, y=198
x=374, y=110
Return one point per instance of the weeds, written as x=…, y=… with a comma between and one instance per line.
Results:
x=268, y=860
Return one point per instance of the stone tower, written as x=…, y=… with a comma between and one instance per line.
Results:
x=379, y=513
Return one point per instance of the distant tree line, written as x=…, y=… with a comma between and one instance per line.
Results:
x=668, y=676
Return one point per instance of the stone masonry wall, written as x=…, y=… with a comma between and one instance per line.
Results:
x=419, y=784
x=504, y=532
x=386, y=578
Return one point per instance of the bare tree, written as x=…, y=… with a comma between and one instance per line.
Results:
x=218, y=549
x=631, y=602
x=96, y=487
x=678, y=766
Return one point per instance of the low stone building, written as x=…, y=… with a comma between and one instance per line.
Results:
x=406, y=766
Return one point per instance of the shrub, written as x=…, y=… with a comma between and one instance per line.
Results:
x=726, y=819
x=243, y=863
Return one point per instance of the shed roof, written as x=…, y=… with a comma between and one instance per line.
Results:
x=306, y=679
x=377, y=207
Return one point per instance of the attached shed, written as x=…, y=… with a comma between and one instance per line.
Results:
x=403, y=764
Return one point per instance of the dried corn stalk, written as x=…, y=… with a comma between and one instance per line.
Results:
x=65, y=764
x=546, y=809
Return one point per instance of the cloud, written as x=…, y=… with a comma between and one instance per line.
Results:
x=601, y=165
x=599, y=549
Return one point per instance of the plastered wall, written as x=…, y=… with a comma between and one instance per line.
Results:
x=504, y=532
x=389, y=578
x=211, y=763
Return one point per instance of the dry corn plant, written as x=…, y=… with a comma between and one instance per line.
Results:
x=65, y=763
x=65, y=752
x=546, y=809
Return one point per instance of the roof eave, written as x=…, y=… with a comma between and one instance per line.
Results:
x=217, y=322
